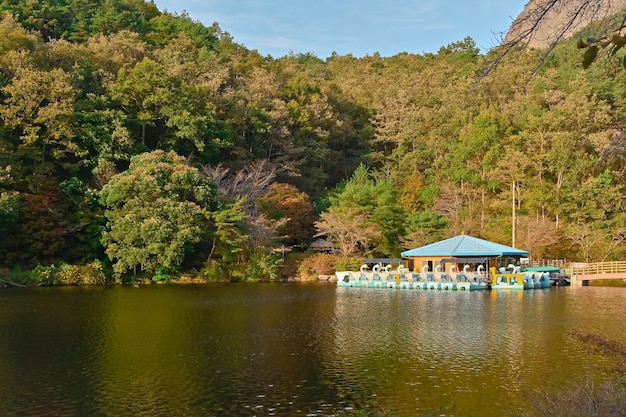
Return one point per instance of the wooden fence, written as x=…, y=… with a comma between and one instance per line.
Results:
x=583, y=268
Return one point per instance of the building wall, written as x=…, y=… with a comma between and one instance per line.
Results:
x=418, y=263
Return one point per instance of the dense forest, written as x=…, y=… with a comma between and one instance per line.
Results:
x=151, y=145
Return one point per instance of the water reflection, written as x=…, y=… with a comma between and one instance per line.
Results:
x=289, y=349
x=47, y=349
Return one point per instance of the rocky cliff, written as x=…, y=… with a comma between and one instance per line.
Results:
x=545, y=21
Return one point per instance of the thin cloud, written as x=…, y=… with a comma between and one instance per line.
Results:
x=356, y=27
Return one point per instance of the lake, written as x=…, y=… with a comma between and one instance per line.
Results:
x=290, y=349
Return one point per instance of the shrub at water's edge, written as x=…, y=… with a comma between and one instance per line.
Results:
x=92, y=273
x=318, y=265
x=261, y=267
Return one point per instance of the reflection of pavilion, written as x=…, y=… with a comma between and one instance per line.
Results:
x=428, y=346
x=463, y=253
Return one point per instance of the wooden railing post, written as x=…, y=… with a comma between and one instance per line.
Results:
x=593, y=268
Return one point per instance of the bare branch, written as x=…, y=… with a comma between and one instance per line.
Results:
x=252, y=181
x=545, y=23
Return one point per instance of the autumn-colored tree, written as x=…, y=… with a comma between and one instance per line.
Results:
x=284, y=201
x=348, y=230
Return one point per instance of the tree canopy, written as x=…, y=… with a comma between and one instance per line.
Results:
x=152, y=142
x=156, y=210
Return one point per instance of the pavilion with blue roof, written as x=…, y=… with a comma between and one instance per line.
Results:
x=464, y=250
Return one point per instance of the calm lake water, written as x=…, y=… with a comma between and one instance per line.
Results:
x=294, y=349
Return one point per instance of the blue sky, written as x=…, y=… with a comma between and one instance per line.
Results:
x=357, y=27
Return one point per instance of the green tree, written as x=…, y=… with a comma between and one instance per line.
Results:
x=10, y=203
x=157, y=211
x=166, y=27
x=115, y=15
x=39, y=106
x=469, y=168
x=174, y=110
x=364, y=216
x=17, y=46
x=228, y=237
x=109, y=54
x=49, y=17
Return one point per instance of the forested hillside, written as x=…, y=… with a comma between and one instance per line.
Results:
x=156, y=145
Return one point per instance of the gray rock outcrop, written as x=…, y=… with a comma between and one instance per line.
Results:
x=543, y=22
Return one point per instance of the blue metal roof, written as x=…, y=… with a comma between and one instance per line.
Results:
x=464, y=245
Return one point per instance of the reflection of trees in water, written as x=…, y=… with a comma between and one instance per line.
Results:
x=51, y=349
x=225, y=349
